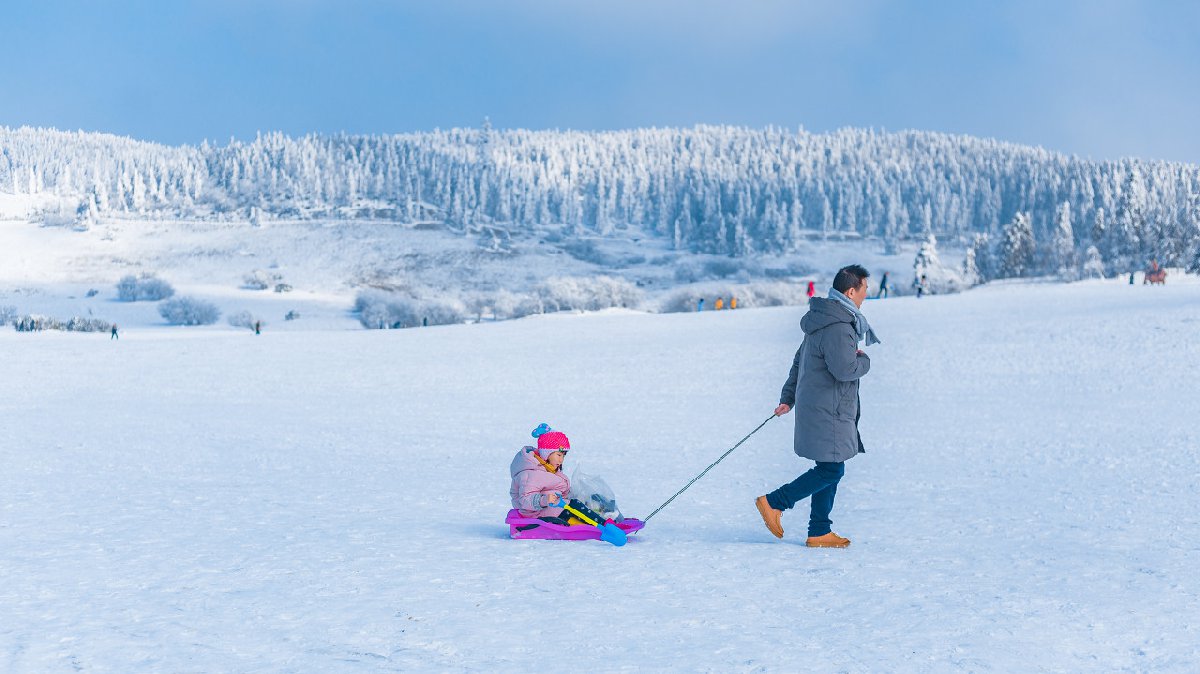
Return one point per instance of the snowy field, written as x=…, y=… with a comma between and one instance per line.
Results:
x=332, y=500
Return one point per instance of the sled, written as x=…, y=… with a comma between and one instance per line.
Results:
x=533, y=528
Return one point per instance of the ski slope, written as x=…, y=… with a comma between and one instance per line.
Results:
x=332, y=500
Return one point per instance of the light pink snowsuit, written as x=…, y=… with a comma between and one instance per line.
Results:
x=532, y=485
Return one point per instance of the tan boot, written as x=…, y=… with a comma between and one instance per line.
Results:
x=770, y=516
x=829, y=540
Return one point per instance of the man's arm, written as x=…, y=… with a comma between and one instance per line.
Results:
x=842, y=357
x=788, y=395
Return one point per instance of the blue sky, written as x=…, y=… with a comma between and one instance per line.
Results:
x=1098, y=78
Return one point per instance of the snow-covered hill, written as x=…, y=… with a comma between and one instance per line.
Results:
x=726, y=191
x=332, y=501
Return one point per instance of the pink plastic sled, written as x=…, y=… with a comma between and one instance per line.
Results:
x=545, y=530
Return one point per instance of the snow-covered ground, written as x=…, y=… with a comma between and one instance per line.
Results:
x=332, y=500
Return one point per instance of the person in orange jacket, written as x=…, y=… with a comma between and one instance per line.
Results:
x=720, y=304
x=733, y=303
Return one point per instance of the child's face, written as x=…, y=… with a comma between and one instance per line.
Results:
x=556, y=458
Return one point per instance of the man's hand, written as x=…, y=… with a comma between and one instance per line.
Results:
x=782, y=409
x=861, y=353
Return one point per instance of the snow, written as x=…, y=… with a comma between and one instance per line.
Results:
x=332, y=500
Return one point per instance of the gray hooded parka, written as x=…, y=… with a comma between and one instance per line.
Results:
x=823, y=385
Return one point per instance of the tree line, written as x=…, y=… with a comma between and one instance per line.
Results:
x=709, y=189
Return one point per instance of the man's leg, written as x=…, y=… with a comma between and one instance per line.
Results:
x=815, y=480
x=819, y=523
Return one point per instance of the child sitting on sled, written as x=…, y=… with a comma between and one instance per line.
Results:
x=539, y=487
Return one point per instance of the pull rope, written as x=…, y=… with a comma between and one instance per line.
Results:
x=710, y=467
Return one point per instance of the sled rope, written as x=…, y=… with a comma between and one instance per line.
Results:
x=710, y=467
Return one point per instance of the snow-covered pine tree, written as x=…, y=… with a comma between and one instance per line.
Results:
x=927, y=265
x=1017, y=248
x=970, y=274
x=87, y=213
x=1093, y=264
x=1062, y=257
x=927, y=257
x=1126, y=236
x=1099, y=228
x=983, y=258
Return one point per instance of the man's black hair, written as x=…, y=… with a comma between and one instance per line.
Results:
x=849, y=277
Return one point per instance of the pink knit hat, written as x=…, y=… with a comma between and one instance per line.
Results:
x=550, y=441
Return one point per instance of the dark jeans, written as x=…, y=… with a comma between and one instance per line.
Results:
x=820, y=482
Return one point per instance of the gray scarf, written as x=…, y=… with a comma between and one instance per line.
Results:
x=860, y=322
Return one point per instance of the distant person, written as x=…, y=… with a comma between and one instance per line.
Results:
x=720, y=304
x=113, y=335
x=823, y=388
x=921, y=286
x=733, y=303
x=812, y=289
x=1130, y=278
x=883, y=287
x=700, y=305
x=258, y=327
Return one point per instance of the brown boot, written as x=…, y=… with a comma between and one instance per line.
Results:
x=829, y=540
x=770, y=516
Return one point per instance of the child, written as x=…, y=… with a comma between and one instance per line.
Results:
x=539, y=488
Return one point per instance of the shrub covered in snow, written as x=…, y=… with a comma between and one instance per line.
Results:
x=748, y=295
x=507, y=304
x=243, y=319
x=7, y=313
x=257, y=280
x=189, y=311
x=562, y=293
x=382, y=309
x=35, y=323
x=147, y=287
x=80, y=324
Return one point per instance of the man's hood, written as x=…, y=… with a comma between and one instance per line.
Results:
x=822, y=313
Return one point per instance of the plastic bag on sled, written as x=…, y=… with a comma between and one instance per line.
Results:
x=595, y=493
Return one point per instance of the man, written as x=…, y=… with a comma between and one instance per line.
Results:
x=823, y=387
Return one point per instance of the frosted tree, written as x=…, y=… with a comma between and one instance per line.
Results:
x=1126, y=236
x=1093, y=264
x=927, y=266
x=980, y=252
x=927, y=219
x=1062, y=246
x=87, y=213
x=1099, y=228
x=1017, y=248
x=970, y=274
x=927, y=257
